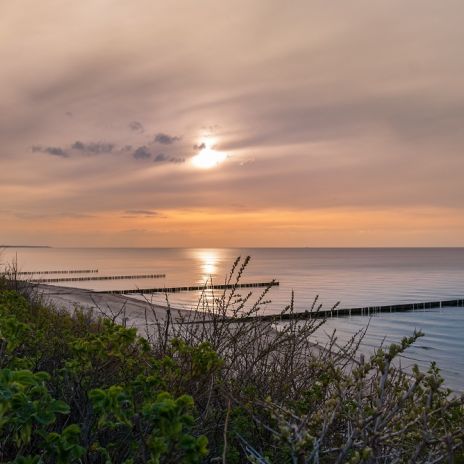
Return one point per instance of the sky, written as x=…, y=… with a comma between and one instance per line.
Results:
x=323, y=123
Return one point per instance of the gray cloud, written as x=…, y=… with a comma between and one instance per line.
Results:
x=409, y=116
x=141, y=153
x=200, y=146
x=94, y=148
x=53, y=215
x=137, y=126
x=166, y=139
x=176, y=160
x=135, y=213
x=141, y=212
x=358, y=106
x=54, y=151
x=160, y=158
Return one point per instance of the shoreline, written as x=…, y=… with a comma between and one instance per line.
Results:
x=125, y=310
x=139, y=314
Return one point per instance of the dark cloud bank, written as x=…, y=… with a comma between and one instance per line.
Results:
x=54, y=151
x=96, y=148
x=166, y=139
x=92, y=147
x=141, y=153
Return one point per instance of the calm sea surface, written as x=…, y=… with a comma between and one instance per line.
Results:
x=355, y=277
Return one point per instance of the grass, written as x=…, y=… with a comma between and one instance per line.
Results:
x=208, y=388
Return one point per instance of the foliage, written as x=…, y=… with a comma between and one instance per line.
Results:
x=102, y=399
x=214, y=385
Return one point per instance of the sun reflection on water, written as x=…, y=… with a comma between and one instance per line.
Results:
x=208, y=261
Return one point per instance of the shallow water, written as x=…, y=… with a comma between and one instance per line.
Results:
x=355, y=277
x=443, y=341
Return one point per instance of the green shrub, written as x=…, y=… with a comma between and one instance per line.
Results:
x=26, y=408
x=213, y=386
x=112, y=406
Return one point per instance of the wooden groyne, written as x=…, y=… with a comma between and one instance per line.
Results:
x=72, y=271
x=361, y=311
x=191, y=288
x=90, y=278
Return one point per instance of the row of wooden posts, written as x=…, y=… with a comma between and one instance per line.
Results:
x=360, y=311
x=334, y=312
x=67, y=271
x=87, y=279
x=140, y=276
x=191, y=288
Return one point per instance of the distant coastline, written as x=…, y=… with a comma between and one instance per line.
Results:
x=25, y=246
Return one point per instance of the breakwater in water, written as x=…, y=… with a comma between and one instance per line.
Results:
x=358, y=278
x=73, y=271
x=362, y=311
x=192, y=288
x=87, y=279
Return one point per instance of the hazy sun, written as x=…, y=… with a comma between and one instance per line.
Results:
x=208, y=158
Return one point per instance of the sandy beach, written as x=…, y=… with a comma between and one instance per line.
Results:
x=123, y=309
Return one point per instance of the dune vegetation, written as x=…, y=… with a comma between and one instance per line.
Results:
x=208, y=388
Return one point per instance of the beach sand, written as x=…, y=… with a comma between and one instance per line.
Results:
x=124, y=310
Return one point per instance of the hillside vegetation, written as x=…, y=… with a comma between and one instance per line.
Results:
x=79, y=389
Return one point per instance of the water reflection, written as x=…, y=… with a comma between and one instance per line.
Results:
x=208, y=261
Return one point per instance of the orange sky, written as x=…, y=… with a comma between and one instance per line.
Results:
x=335, y=124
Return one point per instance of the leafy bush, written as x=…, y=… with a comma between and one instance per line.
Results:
x=111, y=406
x=216, y=385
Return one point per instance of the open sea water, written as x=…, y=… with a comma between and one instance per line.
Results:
x=353, y=277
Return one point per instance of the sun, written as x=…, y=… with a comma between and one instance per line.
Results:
x=208, y=158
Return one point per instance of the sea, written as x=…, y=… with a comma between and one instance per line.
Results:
x=352, y=277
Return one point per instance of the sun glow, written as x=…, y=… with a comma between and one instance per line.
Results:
x=208, y=158
x=208, y=261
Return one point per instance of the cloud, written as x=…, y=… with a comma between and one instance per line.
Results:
x=162, y=158
x=176, y=160
x=330, y=127
x=137, y=126
x=94, y=148
x=141, y=153
x=54, y=151
x=54, y=215
x=200, y=146
x=141, y=212
x=147, y=213
x=166, y=139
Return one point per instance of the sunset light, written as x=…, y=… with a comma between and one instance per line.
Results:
x=208, y=158
x=232, y=231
